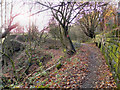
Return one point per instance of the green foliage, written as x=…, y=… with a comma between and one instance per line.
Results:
x=59, y=66
x=77, y=34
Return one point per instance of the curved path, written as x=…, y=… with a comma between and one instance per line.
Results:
x=86, y=69
x=99, y=75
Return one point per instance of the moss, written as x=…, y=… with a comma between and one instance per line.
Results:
x=110, y=54
x=103, y=50
x=43, y=86
x=119, y=45
x=106, y=58
x=119, y=50
x=113, y=33
x=117, y=54
x=114, y=66
x=114, y=26
x=110, y=47
x=109, y=60
x=119, y=75
x=117, y=32
x=113, y=42
x=108, y=39
x=40, y=63
x=106, y=44
x=59, y=66
x=114, y=48
x=118, y=66
x=111, y=51
x=114, y=57
x=107, y=35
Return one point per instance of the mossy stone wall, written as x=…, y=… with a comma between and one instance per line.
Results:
x=109, y=44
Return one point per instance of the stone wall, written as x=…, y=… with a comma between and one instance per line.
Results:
x=109, y=44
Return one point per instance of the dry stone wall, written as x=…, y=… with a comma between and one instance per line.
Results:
x=109, y=44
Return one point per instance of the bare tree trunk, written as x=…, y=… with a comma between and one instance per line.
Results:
x=102, y=25
x=68, y=39
x=1, y=17
x=1, y=45
x=62, y=38
x=5, y=12
x=71, y=44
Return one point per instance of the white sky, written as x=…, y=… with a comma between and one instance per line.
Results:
x=41, y=19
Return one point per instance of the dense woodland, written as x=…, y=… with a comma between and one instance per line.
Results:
x=63, y=54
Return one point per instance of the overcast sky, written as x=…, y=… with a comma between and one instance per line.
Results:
x=41, y=19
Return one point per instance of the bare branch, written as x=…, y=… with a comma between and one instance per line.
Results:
x=49, y=6
x=83, y=5
x=8, y=30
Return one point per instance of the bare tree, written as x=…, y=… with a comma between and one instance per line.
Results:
x=92, y=17
x=10, y=25
x=65, y=13
x=1, y=17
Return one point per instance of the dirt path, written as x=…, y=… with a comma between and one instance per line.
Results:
x=97, y=69
x=93, y=66
x=86, y=69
